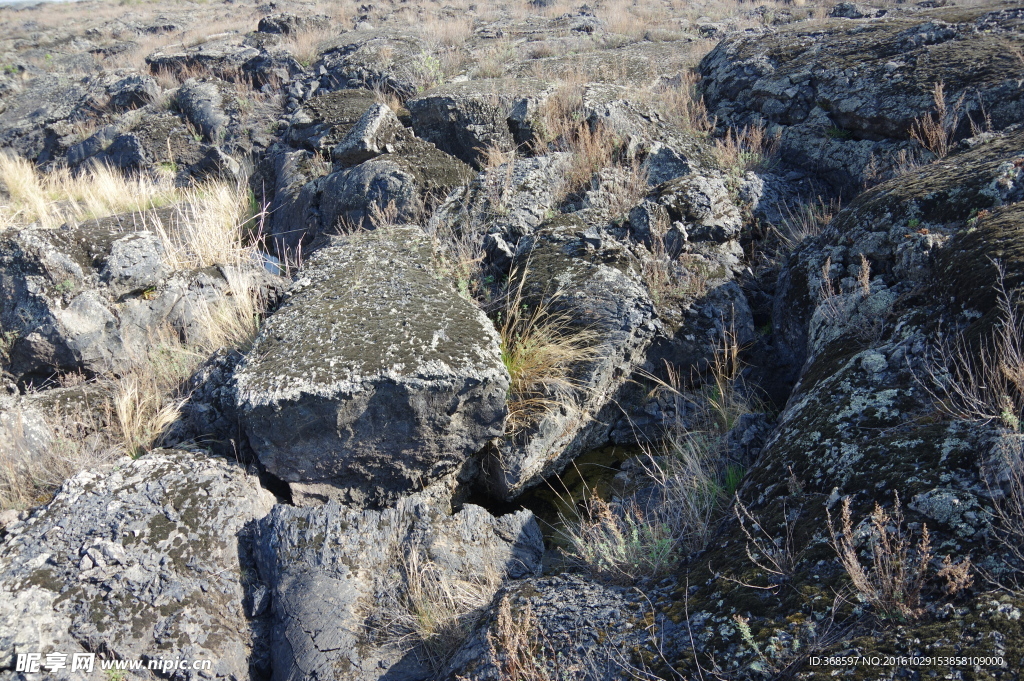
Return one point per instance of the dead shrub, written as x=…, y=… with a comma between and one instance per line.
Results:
x=935, y=132
x=892, y=582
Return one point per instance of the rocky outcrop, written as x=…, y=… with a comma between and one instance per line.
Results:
x=146, y=559
x=869, y=416
x=89, y=298
x=340, y=581
x=845, y=93
x=380, y=169
x=586, y=276
x=374, y=377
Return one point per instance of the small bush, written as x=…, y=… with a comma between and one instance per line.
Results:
x=690, y=478
x=892, y=582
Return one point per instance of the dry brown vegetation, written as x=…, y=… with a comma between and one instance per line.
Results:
x=896, y=572
x=691, y=477
x=542, y=348
x=128, y=412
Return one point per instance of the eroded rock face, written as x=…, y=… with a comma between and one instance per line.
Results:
x=147, y=559
x=846, y=93
x=868, y=304
x=374, y=377
x=338, y=576
x=592, y=279
x=90, y=298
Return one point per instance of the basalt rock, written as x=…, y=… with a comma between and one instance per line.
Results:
x=374, y=377
x=335, y=575
x=146, y=558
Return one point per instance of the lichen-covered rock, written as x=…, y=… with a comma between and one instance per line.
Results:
x=374, y=377
x=868, y=304
x=465, y=119
x=844, y=94
x=390, y=60
x=337, y=576
x=565, y=625
x=143, y=562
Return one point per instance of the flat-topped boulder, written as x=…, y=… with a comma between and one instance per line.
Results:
x=374, y=377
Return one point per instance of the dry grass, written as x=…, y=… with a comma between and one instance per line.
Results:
x=53, y=199
x=680, y=103
x=76, y=443
x=1005, y=480
x=691, y=479
x=515, y=641
x=210, y=227
x=306, y=46
x=935, y=132
x=986, y=383
x=433, y=611
x=749, y=148
x=541, y=348
x=898, y=568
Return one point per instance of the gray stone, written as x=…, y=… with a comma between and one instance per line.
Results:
x=466, y=118
x=374, y=377
x=592, y=279
x=147, y=558
x=338, y=575
x=201, y=104
x=133, y=92
x=371, y=136
x=568, y=623
x=136, y=262
x=288, y=24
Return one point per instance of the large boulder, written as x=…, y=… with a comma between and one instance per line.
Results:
x=374, y=377
x=342, y=582
x=145, y=562
x=845, y=93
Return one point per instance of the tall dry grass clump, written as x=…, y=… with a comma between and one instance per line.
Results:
x=745, y=149
x=54, y=198
x=935, y=132
x=542, y=348
x=431, y=611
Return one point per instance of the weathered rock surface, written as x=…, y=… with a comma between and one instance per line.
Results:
x=380, y=166
x=374, y=377
x=146, y=559
x=338, y=579
x=568, y=624
x=465, y=119
x=844, y=94
x=590, y=277
x=90, y=297
x=865, y=301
